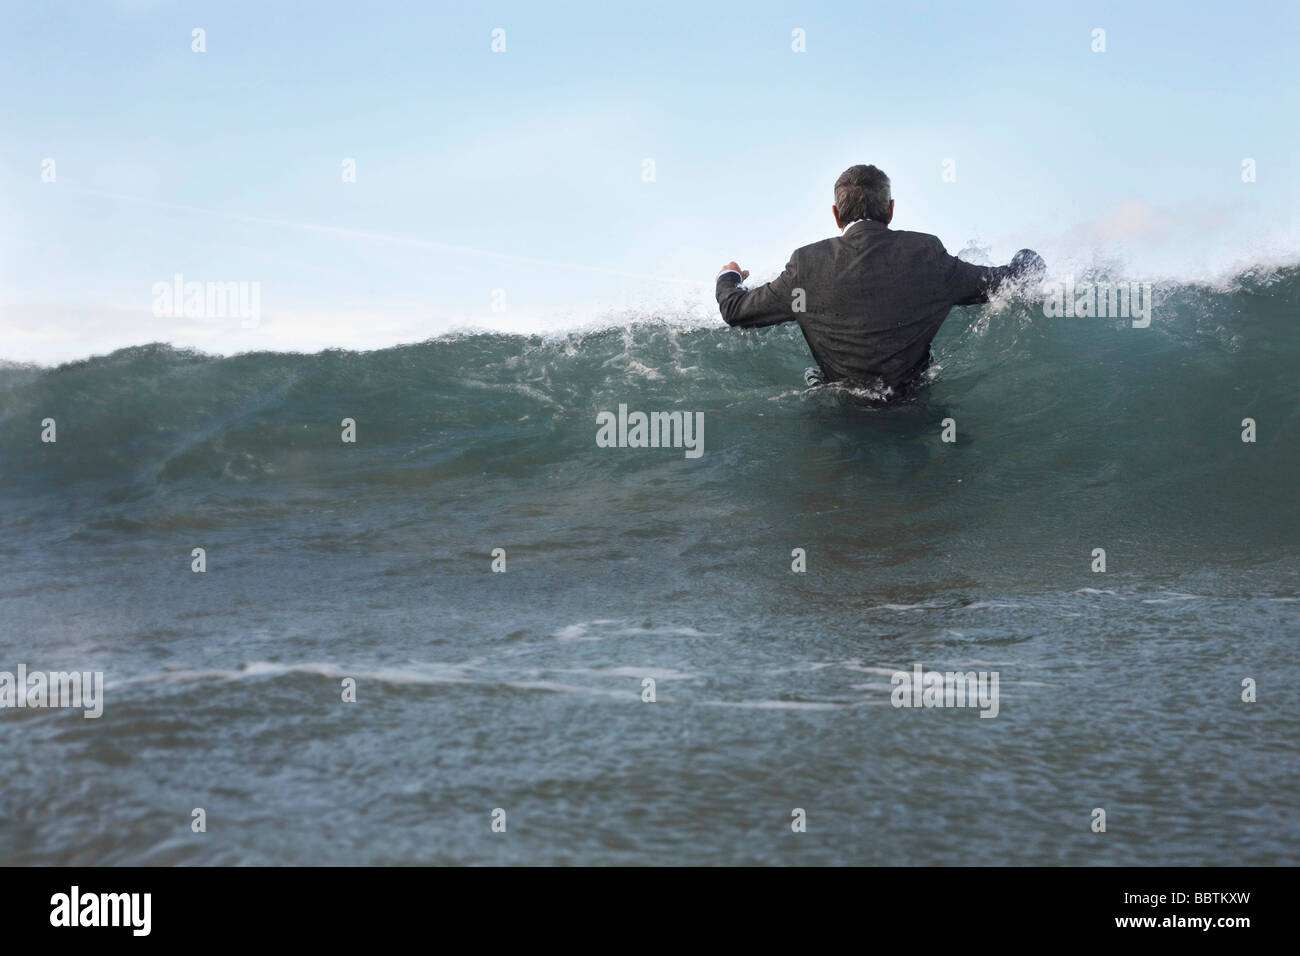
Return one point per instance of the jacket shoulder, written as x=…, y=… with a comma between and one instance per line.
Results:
x=814, y=250
x=918, y=239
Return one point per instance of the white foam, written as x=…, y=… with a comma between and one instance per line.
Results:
x=1173, y=598
x=777, y=704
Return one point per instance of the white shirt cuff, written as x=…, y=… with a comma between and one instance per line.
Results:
x=732, y=271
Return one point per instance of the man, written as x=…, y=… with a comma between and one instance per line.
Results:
x=869, y=302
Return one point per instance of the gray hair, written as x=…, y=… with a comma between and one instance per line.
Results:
x=862, y=192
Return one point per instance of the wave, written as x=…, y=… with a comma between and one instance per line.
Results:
x=1088, y=412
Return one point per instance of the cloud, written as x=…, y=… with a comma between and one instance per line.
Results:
x=1137, y=223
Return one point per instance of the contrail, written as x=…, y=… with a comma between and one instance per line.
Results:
x=385, y=237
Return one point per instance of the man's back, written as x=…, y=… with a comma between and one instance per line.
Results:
x=872, y=299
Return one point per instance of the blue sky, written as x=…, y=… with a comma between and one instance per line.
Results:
x=522, y=170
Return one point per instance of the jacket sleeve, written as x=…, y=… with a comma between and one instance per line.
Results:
x=769, y=304
x=969, y=284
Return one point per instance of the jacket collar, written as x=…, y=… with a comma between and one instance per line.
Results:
x=863, y=225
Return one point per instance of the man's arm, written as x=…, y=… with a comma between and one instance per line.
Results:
x=769, y=304
x=970, y=284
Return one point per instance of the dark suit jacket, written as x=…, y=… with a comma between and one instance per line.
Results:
x=873, y=299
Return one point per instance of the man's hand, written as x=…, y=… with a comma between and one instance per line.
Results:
x=732, y=266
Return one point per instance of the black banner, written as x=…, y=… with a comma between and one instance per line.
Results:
x=303, y=905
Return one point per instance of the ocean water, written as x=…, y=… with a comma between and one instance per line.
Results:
x=523, y=690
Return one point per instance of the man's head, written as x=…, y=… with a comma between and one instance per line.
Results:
x=862, y=192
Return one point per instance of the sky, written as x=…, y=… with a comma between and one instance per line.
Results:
x=511, y=189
